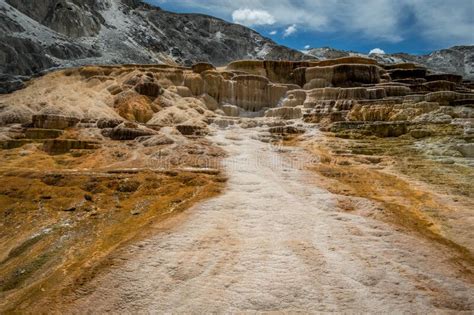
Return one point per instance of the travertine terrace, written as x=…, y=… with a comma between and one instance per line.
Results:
x=338, y=185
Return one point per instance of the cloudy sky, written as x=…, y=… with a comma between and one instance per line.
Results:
x=414, y=26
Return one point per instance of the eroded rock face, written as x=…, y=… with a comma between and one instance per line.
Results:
x=150, y=89
x=192, y=129
x=37, y=133
x=202, y=66
x=379, y=129
x=283, y=130
x=64, y=146
x=284, y=113
x=54, y=121
x=125, y=133
x=345, y=75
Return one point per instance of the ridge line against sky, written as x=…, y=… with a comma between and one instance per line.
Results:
x=412, y=26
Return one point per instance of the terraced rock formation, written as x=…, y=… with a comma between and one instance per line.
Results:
x=43, y=35
x=379, y=157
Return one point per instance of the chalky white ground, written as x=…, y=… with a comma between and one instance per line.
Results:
x=274, y=241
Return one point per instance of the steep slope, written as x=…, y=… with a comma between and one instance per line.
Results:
x=39, y=35
x=458, y=59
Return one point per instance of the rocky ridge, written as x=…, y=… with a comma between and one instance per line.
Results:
x=457, y=59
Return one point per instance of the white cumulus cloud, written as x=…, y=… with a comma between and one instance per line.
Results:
x=273, y=32
x=250, y=17
x=377, y=51
x=307, y=47
x=290, y=30
x=441, y=22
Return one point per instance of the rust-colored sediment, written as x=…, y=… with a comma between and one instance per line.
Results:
x=59, y=226
x=410, y=190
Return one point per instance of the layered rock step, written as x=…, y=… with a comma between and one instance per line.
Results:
x=132, y=102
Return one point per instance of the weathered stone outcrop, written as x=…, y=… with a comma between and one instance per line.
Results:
x=294, y=98
x=63, y=146
x=54, y=121
x=447, y=97
x=202, y=66
x=231, y=110
x=124, y=132
x=15, y=114
x=284, y=112
x=395, y=90
x=37, y=133
x=379, y=129
x=345, y=75
x=317, y=97
x=150, y=89
x=282, y=130
x=108, y=123
x=192, y=129
x=134, y=107
x=444, y=77
x=275, y=71
x=397, y=74
x=390, y=112
x=317, y=84
x=249, y=92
